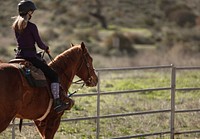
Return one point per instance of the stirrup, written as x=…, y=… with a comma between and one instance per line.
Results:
x=59, y=105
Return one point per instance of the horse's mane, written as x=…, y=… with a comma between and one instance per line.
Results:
x=68, y=57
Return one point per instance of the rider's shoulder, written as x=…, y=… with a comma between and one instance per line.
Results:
x=32, y=25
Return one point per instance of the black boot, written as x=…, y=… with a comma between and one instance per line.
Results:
x=59, y=105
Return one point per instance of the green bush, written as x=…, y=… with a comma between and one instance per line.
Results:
x=182, y=15
x=118, y=43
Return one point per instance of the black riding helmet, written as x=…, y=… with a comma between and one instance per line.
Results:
x=25, y=6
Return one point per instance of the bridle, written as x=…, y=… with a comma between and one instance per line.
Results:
x=81, y=81
x=84, y=60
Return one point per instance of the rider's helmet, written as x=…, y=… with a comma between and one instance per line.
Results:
x=25, y=6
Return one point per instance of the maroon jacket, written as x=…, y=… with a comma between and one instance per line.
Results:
x=27, y=39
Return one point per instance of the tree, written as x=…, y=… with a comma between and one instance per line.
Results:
x=98, y=14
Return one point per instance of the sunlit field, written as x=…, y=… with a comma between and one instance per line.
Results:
x=141, y=33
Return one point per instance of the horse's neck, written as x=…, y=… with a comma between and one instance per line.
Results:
x=66, y=70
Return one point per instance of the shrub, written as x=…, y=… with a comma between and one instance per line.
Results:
x=118, y=43
x=140, y=38
x=182, y=15
x=165, y=4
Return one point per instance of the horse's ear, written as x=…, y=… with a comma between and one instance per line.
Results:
x=82, y=45
x=72, y=44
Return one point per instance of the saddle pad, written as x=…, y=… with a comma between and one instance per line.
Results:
x=33, y=75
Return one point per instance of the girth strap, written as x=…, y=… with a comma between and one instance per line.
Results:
x=47, y=111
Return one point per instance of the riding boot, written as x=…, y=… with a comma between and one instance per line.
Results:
x=59, y=105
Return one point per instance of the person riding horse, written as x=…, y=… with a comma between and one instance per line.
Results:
x=27, y=35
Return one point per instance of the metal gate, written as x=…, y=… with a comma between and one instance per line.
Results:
x=172, y=111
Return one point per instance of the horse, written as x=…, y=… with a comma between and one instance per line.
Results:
x=19, y=100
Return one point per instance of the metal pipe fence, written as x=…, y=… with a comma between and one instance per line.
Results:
x=172, y=110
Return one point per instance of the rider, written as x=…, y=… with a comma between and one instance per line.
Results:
x=27, y=35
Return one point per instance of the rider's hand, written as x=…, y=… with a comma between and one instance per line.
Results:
x=47, y=50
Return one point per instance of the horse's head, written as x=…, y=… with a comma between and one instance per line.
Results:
x=75, y=61
x=85, y=69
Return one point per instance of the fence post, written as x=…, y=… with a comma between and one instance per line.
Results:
x=98, y=107
x=13, y=128
x=173, y=87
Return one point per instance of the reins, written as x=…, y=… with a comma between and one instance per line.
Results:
x=71, y=94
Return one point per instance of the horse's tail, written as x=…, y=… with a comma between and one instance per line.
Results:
x=20, y=124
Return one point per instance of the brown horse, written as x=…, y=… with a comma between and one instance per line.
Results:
x=17, y=99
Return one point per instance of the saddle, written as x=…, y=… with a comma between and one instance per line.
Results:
x=34, y=76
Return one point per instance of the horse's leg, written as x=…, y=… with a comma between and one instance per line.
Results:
x=41, y=127
x=7, y=113
x=52, y=127
x=10, y=95
x=49, y=127
x=5, y=121
x=8, y=109
x=4, y=124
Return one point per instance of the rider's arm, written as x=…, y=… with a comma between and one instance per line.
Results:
x=37, y=38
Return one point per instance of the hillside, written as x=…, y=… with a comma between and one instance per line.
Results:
x=136, y=30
